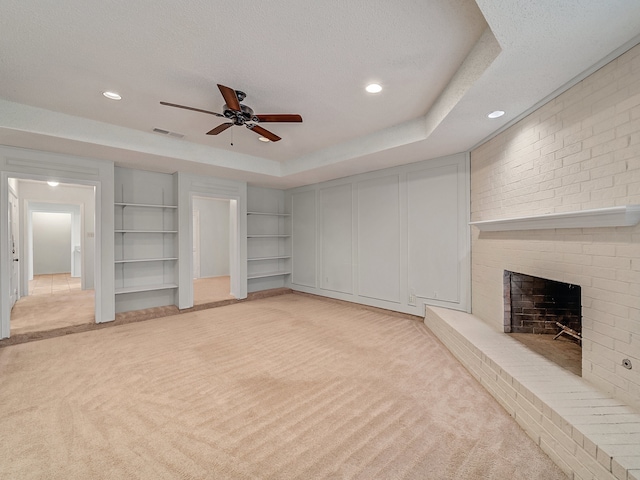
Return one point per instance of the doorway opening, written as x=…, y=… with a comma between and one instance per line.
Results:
x=213, y=234
x=52, y=228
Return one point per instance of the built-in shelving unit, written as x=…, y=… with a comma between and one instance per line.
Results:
x=623, y=216
x=268, y=245
x=146, y=259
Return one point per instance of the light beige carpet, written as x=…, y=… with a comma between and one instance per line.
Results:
x=280, y=388
x=211, y=289
x=63, y=308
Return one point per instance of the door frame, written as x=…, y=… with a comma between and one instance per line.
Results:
x=188, y=185
x=195, y=259
x=234, y=258
x=15, y=239
x=5, y=270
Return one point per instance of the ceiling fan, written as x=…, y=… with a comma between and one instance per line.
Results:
x=239, y=114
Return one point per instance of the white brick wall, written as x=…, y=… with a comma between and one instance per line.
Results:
x=580, y=151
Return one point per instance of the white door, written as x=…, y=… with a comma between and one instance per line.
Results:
x=196, y=244
x=13, y=246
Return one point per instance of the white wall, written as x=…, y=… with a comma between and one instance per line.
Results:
x=214, y=236
x=51, y=242
x=394, y=238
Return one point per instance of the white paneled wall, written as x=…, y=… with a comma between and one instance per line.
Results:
x=303, y=238
x=378, y=227
x=336, y=220
x=434, y=243
x=395, y=238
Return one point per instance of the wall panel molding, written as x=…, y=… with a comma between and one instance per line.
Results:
x=373, y=212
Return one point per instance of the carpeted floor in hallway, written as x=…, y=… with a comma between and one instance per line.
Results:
x=54, y=301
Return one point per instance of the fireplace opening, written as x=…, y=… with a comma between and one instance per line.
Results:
x=541, y=306
x=546, y=316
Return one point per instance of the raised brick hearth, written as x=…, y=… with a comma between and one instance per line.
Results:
x=589, y=434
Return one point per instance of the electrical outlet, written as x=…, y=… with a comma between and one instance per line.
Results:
x=412, y=299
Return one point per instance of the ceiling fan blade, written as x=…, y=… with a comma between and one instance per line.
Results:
x=220, y=128
x=191, y=108
x=264, y=132
x=230, y=97
x=279, y=117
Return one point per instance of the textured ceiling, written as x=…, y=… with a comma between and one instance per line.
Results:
x=444, y=65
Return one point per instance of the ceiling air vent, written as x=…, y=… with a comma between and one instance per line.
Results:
x=167, y=132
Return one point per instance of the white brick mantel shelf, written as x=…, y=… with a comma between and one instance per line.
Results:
x=624, y=216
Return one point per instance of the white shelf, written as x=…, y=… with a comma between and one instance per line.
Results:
x=266, y=257
x=270, y=214
x=281, y=257
x=145, y=288
x=268, y=236
x=145, y=231
x=267, y=274
x=137, y=260
x=145, y=205
x=624, y=216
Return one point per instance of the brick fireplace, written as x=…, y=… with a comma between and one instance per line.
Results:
x=578, y=152
x=535, y=305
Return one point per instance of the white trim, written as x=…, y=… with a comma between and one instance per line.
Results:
x=624, y=216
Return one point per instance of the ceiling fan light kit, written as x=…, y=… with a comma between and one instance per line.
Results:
x=112, y=95
x=240, y=114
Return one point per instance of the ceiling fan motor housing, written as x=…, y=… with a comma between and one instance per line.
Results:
x=240, y=117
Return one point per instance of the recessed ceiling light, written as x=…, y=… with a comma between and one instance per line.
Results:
x=496, y=114
x=373, y=88
x=53, y=183
x=112, y=95
x=264, y=139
